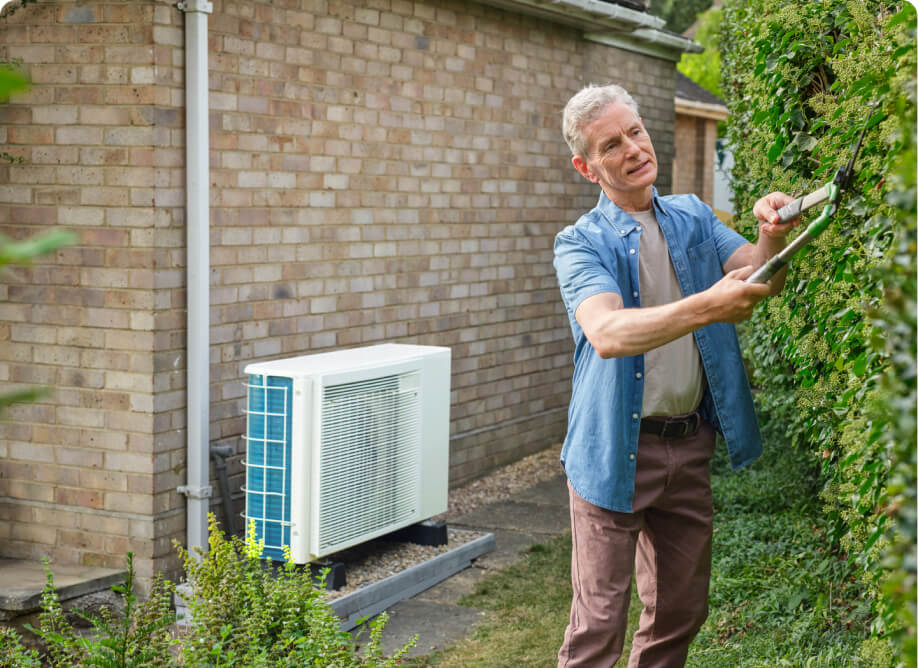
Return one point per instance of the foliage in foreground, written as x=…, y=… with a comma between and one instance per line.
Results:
x=245, y=614
x=248, y=615
x=834, y=355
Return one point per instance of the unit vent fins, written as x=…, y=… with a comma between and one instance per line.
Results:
x=268, y=457
x=369, y=458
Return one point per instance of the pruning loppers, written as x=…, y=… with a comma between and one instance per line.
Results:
x=832, y=192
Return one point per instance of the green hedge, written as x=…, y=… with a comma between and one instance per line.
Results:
x=834, y=355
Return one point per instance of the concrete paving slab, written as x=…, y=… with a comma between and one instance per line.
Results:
x=509, y=548
x=22, y=582
x=437, y=625
x=549, y=493
x=452, y=589
x=530, y=518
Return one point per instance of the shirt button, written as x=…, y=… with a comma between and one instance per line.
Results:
x=631, y=456
x=638, y=375
x=631, y=251
x=624, y=232
x=634, y=294
x=635, y=416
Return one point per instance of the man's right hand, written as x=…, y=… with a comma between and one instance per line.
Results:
x=731, y=299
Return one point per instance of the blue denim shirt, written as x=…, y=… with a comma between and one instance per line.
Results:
x=600, y=254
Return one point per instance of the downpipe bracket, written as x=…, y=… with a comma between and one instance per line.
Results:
x=196, y=6
x=193, y=492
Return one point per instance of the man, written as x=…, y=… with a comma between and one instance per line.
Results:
x=651, y=285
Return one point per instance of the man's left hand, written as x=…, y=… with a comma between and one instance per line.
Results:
x=766, y=211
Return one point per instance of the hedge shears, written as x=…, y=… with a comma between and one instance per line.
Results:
x=830, y=192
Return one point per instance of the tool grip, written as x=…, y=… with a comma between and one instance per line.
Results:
x=767, y=270
x=790, y=211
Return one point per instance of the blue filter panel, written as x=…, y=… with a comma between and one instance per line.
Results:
x=268, y=473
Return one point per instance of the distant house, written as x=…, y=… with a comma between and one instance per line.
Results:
x=258, y=179
x=697, y=114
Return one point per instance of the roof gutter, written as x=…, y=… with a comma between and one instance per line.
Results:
x=650, y=42
x=197, y=223
x=608, y=23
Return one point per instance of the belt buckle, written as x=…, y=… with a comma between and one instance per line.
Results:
x=684, y=427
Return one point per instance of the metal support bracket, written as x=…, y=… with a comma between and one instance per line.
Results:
x=204, y=6
x=196, y=492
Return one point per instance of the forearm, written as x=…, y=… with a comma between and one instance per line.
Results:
x=631, y=331
x=766, y=248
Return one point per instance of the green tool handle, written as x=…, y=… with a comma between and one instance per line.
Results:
x=776, y=263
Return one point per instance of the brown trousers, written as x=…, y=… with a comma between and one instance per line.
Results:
x=665, y=542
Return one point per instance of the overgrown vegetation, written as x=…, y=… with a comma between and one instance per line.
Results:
x=244, y=614
x=781, y=594
x=834, y=356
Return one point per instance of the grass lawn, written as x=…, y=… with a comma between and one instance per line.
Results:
x=779, y=596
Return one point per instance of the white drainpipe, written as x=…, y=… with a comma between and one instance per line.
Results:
x=197, y=222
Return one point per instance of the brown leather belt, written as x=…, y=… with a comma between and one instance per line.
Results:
x=672, y=427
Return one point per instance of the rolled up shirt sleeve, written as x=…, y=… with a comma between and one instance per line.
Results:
x=581, y=273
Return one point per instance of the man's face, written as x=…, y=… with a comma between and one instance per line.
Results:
x=621, y=157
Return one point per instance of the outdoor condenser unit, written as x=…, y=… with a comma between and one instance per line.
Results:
x=346, y=446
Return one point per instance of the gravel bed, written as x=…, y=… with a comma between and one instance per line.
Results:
x=376, y=560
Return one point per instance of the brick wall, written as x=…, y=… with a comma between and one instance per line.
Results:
x=693, y=163
x=381, y=171
x=77, y=468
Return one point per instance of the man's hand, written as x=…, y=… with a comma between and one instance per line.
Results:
x=766, y=211
x=731, y=299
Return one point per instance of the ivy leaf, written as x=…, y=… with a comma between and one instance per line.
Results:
x=776, y=149
x=858, y=206
x=804, y=141
x=860, y=365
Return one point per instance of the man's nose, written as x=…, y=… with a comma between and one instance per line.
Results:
x=631, y=146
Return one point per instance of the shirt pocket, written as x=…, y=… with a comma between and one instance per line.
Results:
x=704, y=265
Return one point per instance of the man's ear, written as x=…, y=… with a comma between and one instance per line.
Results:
x=581, y=166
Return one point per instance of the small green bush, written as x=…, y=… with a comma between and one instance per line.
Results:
x=248, y=614
x=245, y=613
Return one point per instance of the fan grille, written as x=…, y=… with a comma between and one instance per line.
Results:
x=369, y=457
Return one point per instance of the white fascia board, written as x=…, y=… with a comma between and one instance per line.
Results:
x=648, y=41
x=584, y=14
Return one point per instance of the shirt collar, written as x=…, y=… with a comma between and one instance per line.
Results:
x=620, y=221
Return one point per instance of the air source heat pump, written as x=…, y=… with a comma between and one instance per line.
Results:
x=345, y=446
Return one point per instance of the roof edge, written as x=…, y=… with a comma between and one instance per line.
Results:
x=718, y=112
x=648, y=41
x=583, y=14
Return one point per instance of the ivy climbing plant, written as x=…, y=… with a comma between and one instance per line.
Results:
x=834, y=355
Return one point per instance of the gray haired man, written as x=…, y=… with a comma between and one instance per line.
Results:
x=652, y=286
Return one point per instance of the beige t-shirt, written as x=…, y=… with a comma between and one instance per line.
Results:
x=673, y=374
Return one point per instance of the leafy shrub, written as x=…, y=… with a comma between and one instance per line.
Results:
x=245, y=613
x=834, y=355
x=248, y=614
